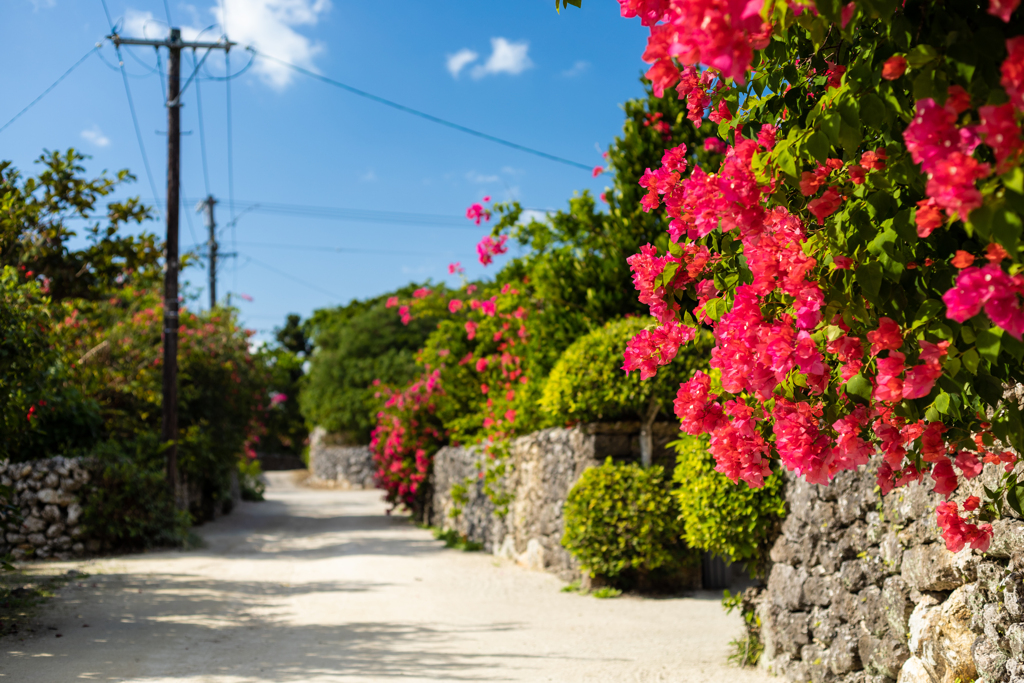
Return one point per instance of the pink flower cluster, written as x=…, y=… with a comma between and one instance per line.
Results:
x=477, y=213
x=488, y=248
x=957, y=533
x=988, y=287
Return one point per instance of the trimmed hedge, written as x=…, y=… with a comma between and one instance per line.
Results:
x=730, y=520
x=622, y=523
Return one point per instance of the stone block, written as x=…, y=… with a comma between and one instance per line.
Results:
x=15, y=539
x=824, y=625
x=37, y=540
x=819, y=590
x=956, y=637
x=33, y=524
x=62, y=542
x=844, y=651
x=890, y=550
x=793, y=631
x=882, y=656
x=783, y=551
x=914, y=671
x=871, y=612
x=897, y=605
x=48, y=496
x=989, y=660
x=785, y=586
x=996, y=621
x=1007, y=537
x=55, y=530
x=930, y=568
x=1015, y=638
x=51, y=513
x=74, y=514
x=816, y=659
x=1013, y=595
x=853, y=575
x=78, y=548
x=51, y=480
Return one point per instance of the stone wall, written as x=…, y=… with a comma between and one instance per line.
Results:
x=542, y=468
x=339, y=464
x=862, y=589
x=48, y=493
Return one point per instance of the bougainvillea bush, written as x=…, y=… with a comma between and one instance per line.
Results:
x=857, y=251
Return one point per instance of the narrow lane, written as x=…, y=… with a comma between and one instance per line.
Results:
x=318, y=586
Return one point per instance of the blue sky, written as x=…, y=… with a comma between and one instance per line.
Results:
x=516, y=70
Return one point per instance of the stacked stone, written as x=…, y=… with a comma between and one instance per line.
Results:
x=862, y=589
x=340, y=465
x=47, y=494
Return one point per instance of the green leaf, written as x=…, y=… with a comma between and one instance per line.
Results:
x=1006, y=229
x=941, y=403
x=921, y=55
x=859, y=386
x=929, y=309
x=869, y=277
x=817, y=145
x=924, y=85
x=872, y=111
x=989, y=342
x=970, y=360
x=1013, y=499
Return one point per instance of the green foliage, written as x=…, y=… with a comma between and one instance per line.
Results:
x=353, y=346
x=730, y=520
x=129, y=505
x=605, y=592
x=746, y=650
x=622, y=523
x=249, y=472
x=588, y=384
x=453, y=539
x=284, y=427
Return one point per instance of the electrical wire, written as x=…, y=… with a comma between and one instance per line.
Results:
x=116, y=68
x=345, y=214
x=131, y=108
x=290, y=277
x=52, y=86
x=202, y=133
x=230, y=76
x=303, y=247
x=424, y=115
x=231, y=166
x=167, y=9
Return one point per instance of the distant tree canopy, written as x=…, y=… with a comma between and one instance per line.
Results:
x=354, y=345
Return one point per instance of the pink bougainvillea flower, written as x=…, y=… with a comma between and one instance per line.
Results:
x=404, y=315
x=825, y=205
x=886, y=337
x=470, y=329
x=945, y=478
x=991, y=288
x=874, y=160
x=714, y=145
x=478, y=213
x=392, y=302
x=972, y=503
x=847, y=14
x=421, y=293
x=842, y=262
x=481, y=364
x=598, y=170
x=962, y=259
x=999, y=130
x=995, y=253
x=1012, y=71
x=834, y=74
x=894, y=67
x=454, y=268
x=969, y=464
x=454, y=305
x=889, y=386
x=1002, y=8
x=857, y=173
x=488, y=248
x=928, y=217
x=489, y=307
x=766, y=136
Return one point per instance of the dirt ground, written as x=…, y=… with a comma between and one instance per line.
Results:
x=319, y=585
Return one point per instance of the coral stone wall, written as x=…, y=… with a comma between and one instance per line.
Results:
x=47, y=494
x=863, y=589
x=343, y=465
x=542, y=468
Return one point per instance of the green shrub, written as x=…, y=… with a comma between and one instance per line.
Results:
x=129, y=505
x=730, y=520
x=249, y=472
x=622, y=524
x=588, y=384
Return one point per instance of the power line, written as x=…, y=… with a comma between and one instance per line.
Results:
x=167, y=9
x=424, y=115
x=231, y=165
x=202, y=133
x=304, y=247
x=291, y=277
x=52, y=86
x=131, y=106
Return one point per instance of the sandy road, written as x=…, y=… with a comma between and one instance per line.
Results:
x=318, y=586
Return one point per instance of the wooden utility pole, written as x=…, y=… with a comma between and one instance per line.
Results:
x=174, y=45
x=212, y=245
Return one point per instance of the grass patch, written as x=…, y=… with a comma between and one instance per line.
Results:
x=453, y=539
x=21, y=594
x=745, y=651
x=606, y=592
x=573, y=587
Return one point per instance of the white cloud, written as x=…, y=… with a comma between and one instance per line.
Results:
x=270, y=25
x=475, y=177
x=43, y=4
x=458, y=61
x=506, y=58
x=264, y=24
x=96, y=136
x=577, y=69
x=532, y=215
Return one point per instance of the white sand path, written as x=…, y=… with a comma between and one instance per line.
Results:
x=315, y=586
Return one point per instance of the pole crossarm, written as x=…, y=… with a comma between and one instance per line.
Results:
x=184, y=45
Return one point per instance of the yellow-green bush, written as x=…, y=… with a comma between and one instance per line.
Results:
x=588, y=384
x=622, y=523
x=730, y=520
